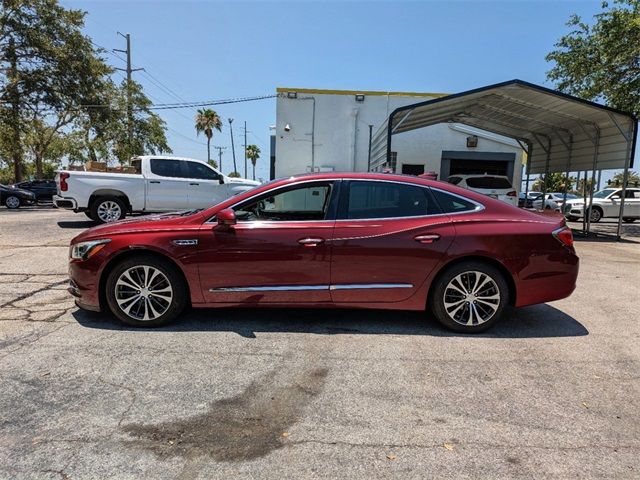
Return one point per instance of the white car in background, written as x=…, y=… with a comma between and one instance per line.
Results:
x=160, y=184
x=495, y=186
x=554, y=201
x=606, y=204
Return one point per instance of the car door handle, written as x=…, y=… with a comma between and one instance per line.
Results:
x=427, y=238
x=311, y=242
x=193, y=183
x=154, y=181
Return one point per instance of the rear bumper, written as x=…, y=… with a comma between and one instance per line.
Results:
x=555, y=283
x=65, y=202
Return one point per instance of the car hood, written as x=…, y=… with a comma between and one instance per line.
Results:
x=148, y=223
x=241, y=181
x=20, y=191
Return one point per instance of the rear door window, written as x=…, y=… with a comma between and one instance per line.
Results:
x=369, y=199
x=167, y=168
x=488, y=182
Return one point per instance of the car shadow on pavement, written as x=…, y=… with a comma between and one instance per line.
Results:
x=77, y=224
x=538, y=321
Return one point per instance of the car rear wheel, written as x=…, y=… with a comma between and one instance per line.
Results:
x=469, y=297
x=146, y=292
x=108, y=209
x=12, y=202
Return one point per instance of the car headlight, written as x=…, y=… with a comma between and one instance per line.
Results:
x=86, y=250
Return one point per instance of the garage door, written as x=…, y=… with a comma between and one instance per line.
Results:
x=467, y=163
x=467, y=167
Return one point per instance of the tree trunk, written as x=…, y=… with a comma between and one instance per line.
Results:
x=208, y=150
x=38, y=158
x=254, y=171
x=14, y=95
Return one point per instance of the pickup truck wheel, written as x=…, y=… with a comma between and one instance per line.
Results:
x=146, y=291
x=108, y=209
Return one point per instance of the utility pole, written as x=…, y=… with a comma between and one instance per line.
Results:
x=245, y=149
x=129, y=71
x=369, y=155
x=220, y=149
x=233, y=150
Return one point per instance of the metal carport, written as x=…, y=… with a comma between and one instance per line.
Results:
x=559, y=132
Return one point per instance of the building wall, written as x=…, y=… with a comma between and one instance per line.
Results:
x=341, y=133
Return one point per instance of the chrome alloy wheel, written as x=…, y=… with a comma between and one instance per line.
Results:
x=109, y=211
x=471, y=298
x=143, y=293
x=12, y=202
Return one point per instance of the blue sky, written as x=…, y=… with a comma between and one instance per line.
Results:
x=211, y=50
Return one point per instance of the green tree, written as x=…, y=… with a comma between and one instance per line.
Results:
x=47, y=69
x=601, y=61
x=253, y=154
x=207, y=120
x=555, y=182
x=618, y=178
x=103, y=129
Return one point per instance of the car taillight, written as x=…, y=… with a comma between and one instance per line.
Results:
x=512, y=193
x=564, y=235
x=64, y=186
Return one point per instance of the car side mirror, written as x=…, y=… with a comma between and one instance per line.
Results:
x=221, y=178
x=226, y=217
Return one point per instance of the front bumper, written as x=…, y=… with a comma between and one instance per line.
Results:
x=571, y=210
x=65, y=202
x=84, y=279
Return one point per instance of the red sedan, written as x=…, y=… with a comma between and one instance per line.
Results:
x=330, y=240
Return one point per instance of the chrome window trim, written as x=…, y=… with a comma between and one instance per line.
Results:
x=479, y=207
x=298, y=288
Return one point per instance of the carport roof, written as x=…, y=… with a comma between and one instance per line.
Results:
x=563, y=133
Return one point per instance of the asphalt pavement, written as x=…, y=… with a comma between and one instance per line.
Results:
x=551, y=392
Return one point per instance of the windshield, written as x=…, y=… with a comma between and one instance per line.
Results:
x=604, y=193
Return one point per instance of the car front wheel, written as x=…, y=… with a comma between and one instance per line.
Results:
x=12, y=202
x=146, y=292
x=596, y=215
x=469, y=297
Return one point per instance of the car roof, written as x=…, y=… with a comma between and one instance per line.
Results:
x=479, y=175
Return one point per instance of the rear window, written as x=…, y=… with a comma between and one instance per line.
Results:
x=454, y=180
x=488, y=182
x=452, y=203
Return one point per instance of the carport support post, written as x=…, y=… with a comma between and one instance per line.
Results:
x=593, y=177
x=629, y=136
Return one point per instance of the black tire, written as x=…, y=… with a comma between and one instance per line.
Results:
x=628, y=219
x=595, y=214
x=138, y=308
x=107, y=209
x=12, y=202
x=89, y=215
x=467, y=270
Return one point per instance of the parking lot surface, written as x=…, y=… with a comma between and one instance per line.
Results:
x=552, y=391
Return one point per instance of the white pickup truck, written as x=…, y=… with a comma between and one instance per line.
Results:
x=160, y=184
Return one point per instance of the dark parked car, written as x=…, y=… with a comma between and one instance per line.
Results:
x=43, y=189
x=13, y=197
x=350, y=240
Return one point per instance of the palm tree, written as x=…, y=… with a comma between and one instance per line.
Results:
x=206, y=121
x=253, y=154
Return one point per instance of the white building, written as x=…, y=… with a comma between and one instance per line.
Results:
x=328, y=130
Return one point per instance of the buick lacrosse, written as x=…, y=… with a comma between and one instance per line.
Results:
x=351, y=240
